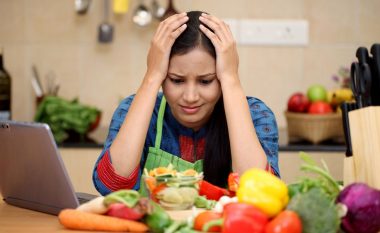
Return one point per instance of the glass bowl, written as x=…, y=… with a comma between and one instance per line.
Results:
x=173, y=190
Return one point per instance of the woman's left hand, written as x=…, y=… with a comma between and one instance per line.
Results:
x=227, y=59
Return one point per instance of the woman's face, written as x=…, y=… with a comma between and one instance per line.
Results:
x=192, y=88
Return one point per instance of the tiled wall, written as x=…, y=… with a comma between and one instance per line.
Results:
x=52, y=36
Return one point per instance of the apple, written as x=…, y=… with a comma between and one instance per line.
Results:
x=320, y=107
x=298, y=102
x=317, y=93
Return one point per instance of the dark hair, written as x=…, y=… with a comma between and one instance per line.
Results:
x=217, y=159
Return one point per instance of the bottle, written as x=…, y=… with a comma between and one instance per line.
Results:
x=5, y=91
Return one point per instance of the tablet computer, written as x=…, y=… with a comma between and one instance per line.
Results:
x=32, y=173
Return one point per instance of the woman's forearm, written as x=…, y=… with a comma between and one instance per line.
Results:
x=246, y=150
x=128, y=145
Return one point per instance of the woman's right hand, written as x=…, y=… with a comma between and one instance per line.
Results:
x=167, y=32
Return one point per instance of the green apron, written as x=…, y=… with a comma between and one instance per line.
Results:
x=159, y=158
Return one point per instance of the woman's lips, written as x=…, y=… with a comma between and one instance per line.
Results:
x=190, y=110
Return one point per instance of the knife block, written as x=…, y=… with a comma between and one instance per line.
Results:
x=365, y=139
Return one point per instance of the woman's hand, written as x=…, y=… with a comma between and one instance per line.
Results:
x=161, y=44
x=227, y=59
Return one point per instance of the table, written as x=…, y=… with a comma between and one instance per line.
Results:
x=15, y=219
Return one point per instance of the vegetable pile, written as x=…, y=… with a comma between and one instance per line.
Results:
x=123, y=210
x=263, y=204
x=63, y=115
x=317, y=204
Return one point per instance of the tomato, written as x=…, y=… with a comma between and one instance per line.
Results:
x=151, y=183
x=285, y=222
x=233, y=181
x=157, y=189
x=204, y=217
x=320, y=107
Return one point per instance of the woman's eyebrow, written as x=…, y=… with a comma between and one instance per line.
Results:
x=177, y=75
x=199, y=76
x=206, y=75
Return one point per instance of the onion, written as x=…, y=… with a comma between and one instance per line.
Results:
x=363, y=204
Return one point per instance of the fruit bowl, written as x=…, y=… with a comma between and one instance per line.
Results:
x=314, y=127
x=171, y=189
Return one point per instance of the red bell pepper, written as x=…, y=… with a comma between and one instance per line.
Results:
x=242, y=217
x=212, y=192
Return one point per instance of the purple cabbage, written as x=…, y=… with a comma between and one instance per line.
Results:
x=363, y=204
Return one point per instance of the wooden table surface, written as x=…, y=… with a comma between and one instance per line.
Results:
x=15, y=219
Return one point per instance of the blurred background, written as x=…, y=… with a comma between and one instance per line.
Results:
x=60, y=38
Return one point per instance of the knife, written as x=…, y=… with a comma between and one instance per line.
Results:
x=346, y=107
x=375, y=70
x=361, y=78
x=348, y=162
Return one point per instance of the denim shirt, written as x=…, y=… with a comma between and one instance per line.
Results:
x=262, y=117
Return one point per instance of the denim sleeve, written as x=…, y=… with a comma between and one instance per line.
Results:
x=114, y=127
x=266, y=130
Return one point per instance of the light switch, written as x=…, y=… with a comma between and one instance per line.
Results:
x=273, y=32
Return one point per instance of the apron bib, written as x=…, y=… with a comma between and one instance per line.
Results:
x=160, y=158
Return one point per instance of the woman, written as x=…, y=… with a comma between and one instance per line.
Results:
x=202, y=120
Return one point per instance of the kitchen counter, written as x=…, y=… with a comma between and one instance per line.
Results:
x=284, y=144
x=79, y=159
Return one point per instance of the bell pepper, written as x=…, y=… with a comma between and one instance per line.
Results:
x=263, y=190
x=212, y=192
x=240, y=217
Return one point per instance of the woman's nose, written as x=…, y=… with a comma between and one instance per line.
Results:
x=191, y=93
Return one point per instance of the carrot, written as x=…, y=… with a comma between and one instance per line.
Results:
x=79, y=220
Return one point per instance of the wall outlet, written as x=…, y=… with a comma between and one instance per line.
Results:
x=273, y=32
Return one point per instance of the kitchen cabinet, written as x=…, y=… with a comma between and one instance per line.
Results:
x=79, y=163
x=290, y=164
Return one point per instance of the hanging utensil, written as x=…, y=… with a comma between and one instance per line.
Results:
x=142, y=16
x=81, y=6
x=120, y=6
x=105, y=30
x=36, y=83
x=169, y=11
x=157, y=10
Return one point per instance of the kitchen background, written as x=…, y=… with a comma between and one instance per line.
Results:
x=52, y=36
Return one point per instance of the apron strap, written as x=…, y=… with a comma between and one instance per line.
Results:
x=160, y=120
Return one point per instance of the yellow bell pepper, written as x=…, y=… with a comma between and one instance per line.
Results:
x=263, y=190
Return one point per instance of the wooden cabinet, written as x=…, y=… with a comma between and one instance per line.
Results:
x=290, y=164
x=79, y=165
